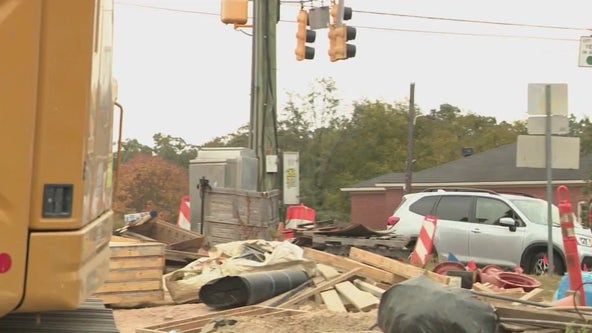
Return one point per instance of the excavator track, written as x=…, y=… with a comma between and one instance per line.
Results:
x=92, y=316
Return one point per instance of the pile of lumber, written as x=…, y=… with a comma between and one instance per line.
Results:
x=135, y=272
x=354, y=283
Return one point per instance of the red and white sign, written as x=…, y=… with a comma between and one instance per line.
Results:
x=184, y=220
x=425, y=241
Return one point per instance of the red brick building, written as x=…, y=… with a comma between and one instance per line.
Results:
x=374, y=200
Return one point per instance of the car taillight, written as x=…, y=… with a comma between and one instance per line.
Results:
x=392, y=220
x=5, y=262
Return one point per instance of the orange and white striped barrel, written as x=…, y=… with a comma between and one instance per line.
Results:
x=184, y=220
x=425, y=241
x=299, y=214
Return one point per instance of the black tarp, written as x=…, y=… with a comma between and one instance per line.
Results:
x=420, y=305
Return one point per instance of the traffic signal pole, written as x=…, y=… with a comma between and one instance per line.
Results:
x=263, y=120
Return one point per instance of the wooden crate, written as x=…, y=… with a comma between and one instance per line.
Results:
x=135, y=272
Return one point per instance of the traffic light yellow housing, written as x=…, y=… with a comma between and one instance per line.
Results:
x=339, y=35
x=234, y=11
x=303, y=36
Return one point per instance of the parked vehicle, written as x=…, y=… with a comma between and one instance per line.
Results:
x=489, y=228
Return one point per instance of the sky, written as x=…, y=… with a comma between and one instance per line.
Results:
x=183, y=72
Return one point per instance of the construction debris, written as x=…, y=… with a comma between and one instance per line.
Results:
x=355, y=283
x=135, y=272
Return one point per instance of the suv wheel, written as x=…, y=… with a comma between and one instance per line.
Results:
x=537, y=265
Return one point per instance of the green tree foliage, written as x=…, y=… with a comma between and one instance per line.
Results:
x=339, y=149
x=174, y=149
x=131, y=147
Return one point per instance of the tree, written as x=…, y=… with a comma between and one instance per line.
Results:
x=131, y=147
x=151, y=183
x=174, y=149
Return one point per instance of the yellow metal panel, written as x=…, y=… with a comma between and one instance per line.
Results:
x=19, y=57
x=66, y=103
x=66, y=267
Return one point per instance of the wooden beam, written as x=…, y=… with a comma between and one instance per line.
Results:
x=349, y=264
x=321, y=287
x=365, y=286
x=328, y=272
x=333, y=301
x=398, y=268
x=362, y=300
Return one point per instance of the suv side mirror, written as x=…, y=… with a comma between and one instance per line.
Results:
x=508, y=222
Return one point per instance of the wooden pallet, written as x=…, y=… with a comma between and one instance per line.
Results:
x=135, y=272
x=195, y=324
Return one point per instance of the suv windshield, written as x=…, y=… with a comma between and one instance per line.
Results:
x=536, y=210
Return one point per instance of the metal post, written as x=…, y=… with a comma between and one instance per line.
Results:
x=410, y=126
x=549, y=171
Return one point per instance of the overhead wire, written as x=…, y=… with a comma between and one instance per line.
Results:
x=422, y=31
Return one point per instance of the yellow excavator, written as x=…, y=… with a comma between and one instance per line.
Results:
x=57, y=100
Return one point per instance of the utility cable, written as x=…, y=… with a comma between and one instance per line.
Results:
x=473, y=21
x=436, y=32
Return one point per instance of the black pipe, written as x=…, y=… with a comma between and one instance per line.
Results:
x=250, y=288
x=202, y=186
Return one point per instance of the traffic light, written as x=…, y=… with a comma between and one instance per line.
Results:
x=234, y=11
x=340, y=34
x=303, y=36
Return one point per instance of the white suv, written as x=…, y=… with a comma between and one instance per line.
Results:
x=489, y=228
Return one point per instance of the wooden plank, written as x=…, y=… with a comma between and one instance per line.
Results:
x=131, y=297
x=332, y=301
x=131, y=285
x=401, y=269
x=349, y=264
x=372, y=289
x=362, y=300
x=536, y=293
x=126, y=250
x=124, y=274
x=137, y=262
x=328, y=272
x=119, y=239
x=194, y=324
x=521, y=311
x=321, y=287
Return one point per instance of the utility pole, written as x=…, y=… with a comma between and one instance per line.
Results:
x=262, y=125
x=410, y=127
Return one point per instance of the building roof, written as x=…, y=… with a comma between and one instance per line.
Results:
x=491, y=166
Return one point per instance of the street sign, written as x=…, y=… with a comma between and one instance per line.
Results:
x=536, y=125
x=585, y=58
x=536, y=99
x=565, y=152
x=318, y=17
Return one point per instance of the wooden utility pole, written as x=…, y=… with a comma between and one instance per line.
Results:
x=262, y=125
x=410, y=127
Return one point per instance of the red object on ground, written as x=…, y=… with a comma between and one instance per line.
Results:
x=471, y=266
x=425, y=241
x=515, y=280
x=446, y=266
x=570, y=243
